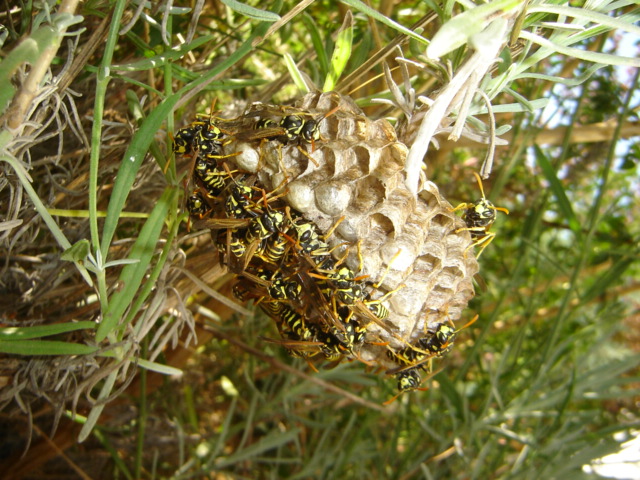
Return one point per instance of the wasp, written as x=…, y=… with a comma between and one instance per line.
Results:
x=308, y=239
x=479, y=216
x=300, y=129
x=376, y=306
x=198, y=136
x=296, y=126
x=231, y=240
x=436, y=344
x=408, y=380
x=265, y=225
x=197, y=205
x=281, y=289
x=184, y=140
x=274, y=250
x=353, y=335
x=342, y=283
x=238, y=203
x=214, y=179
x=296, y=323
x=440, y=341
x=298, y=338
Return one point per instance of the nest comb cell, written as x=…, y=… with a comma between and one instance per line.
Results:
x=354, y=177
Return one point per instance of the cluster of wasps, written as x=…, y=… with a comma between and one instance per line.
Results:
x=284, y=264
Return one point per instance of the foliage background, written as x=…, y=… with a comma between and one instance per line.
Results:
x=90, y=95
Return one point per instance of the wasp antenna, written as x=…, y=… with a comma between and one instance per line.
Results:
x=469, y=323
x=329, y=113
x=392, y=399
x=387, y=269
x=479, y=183
x=333, y=227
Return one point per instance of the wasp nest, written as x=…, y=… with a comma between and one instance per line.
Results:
x=325, y=165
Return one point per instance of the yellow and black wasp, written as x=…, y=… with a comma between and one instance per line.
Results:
x=436, y=343
x=479, y=216
x=197, y=205
x=293, y=126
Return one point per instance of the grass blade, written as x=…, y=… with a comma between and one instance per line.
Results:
x=558, y=191
x=39, y=331
x=251, y=12
x=341, y=53
x=367, y=10
x=45, y=347
x=133, y=274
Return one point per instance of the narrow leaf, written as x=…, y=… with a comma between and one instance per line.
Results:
x=160, y=60
x=341, y=53
x=95, y=412
x=458, y=31
x=609, y=277
x=295, y=73
x=595, y=57
x=159, y=368
x=251, y=12
x=271, y=441
x=318, y=45
x=38, y=331
x=44, y=347
x=558, y=191
x=367, y=10
x=586, y=15
x=132, y=275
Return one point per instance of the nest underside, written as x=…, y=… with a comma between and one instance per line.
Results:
x=353, y=179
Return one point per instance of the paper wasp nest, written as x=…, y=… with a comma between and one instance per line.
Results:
x=354, y=177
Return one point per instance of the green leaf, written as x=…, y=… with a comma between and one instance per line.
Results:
x=341, y=53
x=558, y=191
x=159, y=368
x=146, y=134
x=367, y=10
x=295, y=73
x=38, y=331
x=458, y=31
x=318, y=45
x=586, y=16
x=129, y=167
x=531, y=106
x=251, y=12
x=132, y=275
x=78, y=251
x=570, y=82
x=271, y=441
x=609, y=277
x=44, y=347
x=161, y=59
x=155, y=273
x=595, y=57
x=95, y=412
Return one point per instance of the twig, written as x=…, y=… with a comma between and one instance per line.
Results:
x=283, y=21
x=487, y=165
x=287, y=368
x=381, y=54
x=22, y=101
x=475, y=67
